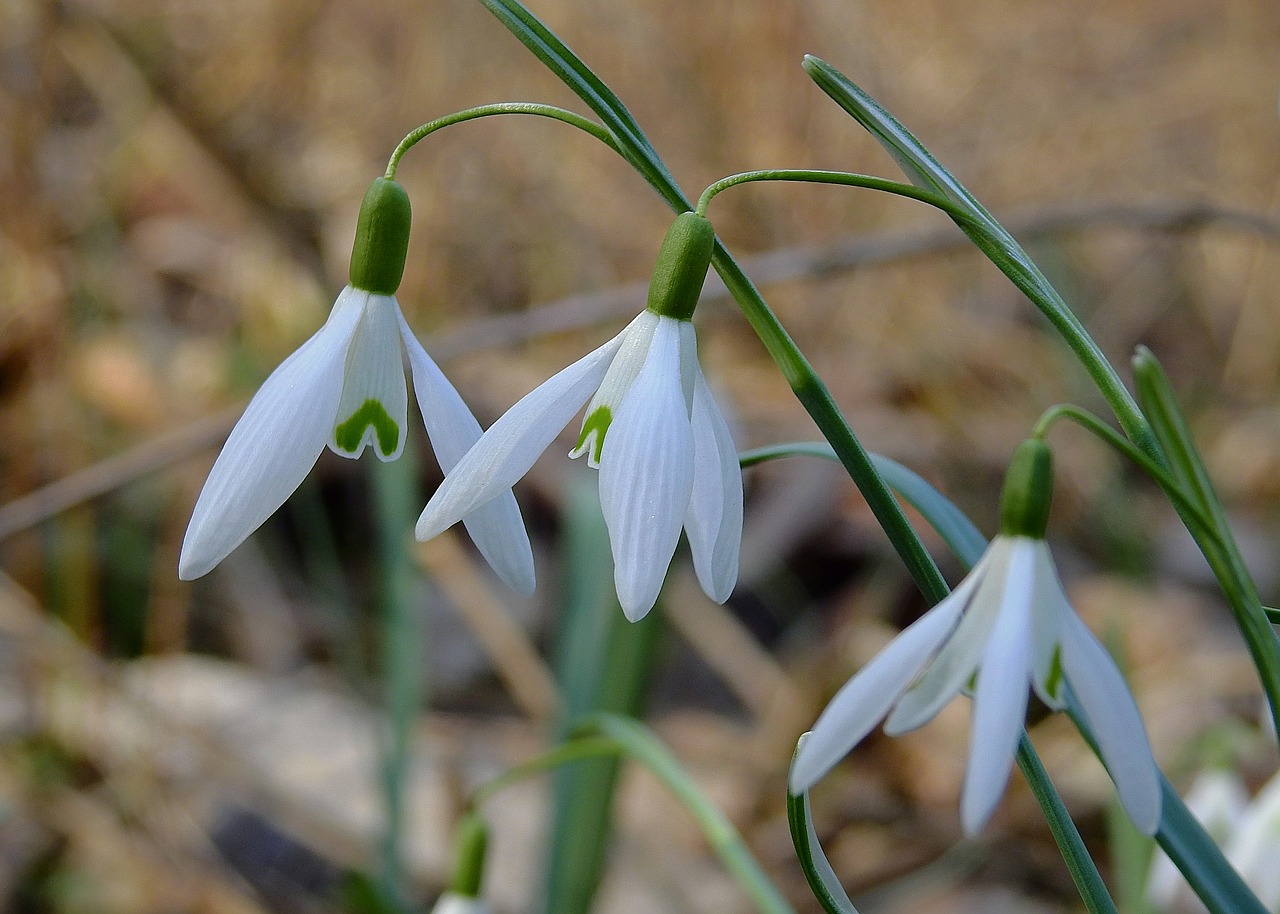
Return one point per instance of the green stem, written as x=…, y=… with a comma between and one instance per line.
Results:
x=642, y=746
x=576, y=750
x=844, y=178
x=401, y=654
x=813, y=394
x=470, y=114
x=1188, y=510
x=1084, y=872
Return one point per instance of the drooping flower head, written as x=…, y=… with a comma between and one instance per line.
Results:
x=663, y=449
x=1006, y=628
x=345, y=388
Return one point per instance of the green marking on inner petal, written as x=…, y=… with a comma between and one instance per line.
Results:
x=371, y=413
x=593, y=431
x=1053, y=682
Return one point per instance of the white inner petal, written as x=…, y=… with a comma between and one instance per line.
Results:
x=375, y=400
x=1049, y=606
x=634, y=341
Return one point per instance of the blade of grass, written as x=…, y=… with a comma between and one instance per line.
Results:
x=602, y=664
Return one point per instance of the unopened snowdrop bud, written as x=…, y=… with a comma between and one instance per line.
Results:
x=1028, y=491
x=382, y=238
x=451, y=903
x=471, y=842
x=463, y=896
x=682, y=266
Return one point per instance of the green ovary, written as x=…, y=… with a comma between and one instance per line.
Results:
x=349, y=434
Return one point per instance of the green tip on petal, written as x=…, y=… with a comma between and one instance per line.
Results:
x=1028, y=491
x=591, y=440
x=682, y=267
x=382, y=238
x=471, y=842
x=371, y=414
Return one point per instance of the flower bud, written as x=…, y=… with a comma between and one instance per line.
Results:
x=471, y=841
x=1028, y=490
x=682, y=267
x=382, y=238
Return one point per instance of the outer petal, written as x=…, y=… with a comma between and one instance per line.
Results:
x=646, y=474
x=713, y=522
x=496, y=528
x=865, y=698
x=506, y=451
x=273, y=446
x=374, y=402
x=1117, y=726
x=955, y=664
x=1000, y=701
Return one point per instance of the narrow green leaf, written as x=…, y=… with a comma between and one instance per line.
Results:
x=1188, y=469
x=602, y=663
x=919, y=165
x=817, y=869
x=641, y=745
x=1195, y=854
x=950, y=523
x=575, y=74
x=988, y=235
x=1084, y=872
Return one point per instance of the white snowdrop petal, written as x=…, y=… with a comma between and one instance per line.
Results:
x=1117, y=725
x=453, y=903
x=496, y=528
x=713, y=522
x=1255, y=847
x=864, y=699
x=506, y=451
x=1049, y=607
x=273, y=446
x=374, y=403
x=646, y=474
x=1000, y=700
x=634, y=343
x=954, y=665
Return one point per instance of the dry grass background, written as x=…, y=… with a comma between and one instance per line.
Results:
x=180, y=182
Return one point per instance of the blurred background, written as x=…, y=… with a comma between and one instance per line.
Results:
x=180, y=182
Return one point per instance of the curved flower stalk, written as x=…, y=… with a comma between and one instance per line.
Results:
x=1006, y=627
x=345, y=388
x=663, y=449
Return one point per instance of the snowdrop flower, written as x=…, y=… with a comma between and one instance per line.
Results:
x=1006, y=626
x=663, y=449
x=1254, y=848
x=345, y=388
x=453, y=903
x=1218, y=800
